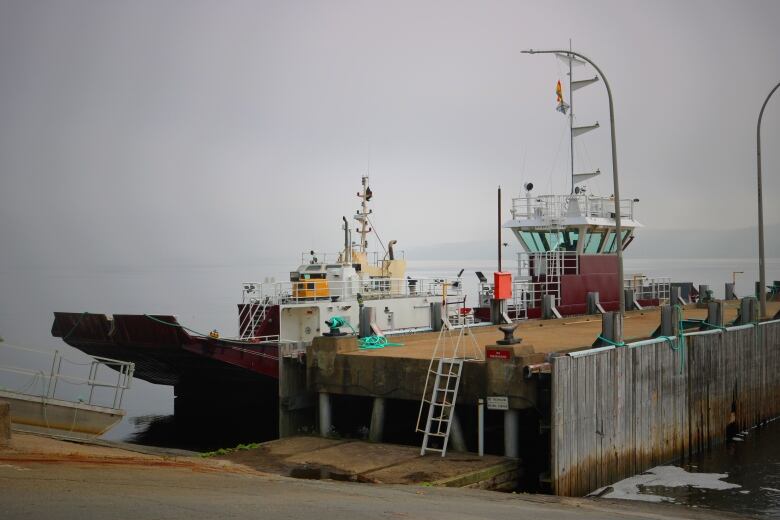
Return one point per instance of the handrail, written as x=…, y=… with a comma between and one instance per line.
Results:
x=347, y=290
x=123, y=382
x=547, y=207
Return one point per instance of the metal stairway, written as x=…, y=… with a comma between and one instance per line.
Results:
x=442, y=383
x=441, y=404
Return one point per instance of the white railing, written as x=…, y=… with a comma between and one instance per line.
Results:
x=649, y=288
x=373, y=257
x=348, y=290
x=552, y=207
x=44, y=383
x=550, y=263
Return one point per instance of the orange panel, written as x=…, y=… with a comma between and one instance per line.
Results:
x=502, y=285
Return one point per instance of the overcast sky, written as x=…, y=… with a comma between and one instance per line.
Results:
x=167, y=131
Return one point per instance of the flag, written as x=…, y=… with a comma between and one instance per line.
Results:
x=562, y=106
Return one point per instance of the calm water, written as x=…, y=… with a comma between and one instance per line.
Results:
x=742, y=476
x=204, y=298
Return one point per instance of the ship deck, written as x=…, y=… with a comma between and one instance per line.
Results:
x=545, y=336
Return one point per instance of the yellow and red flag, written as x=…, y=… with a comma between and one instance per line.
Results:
x=559, y=92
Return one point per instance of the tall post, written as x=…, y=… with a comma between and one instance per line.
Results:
x=761, y=267
x=499, y=229
x=616, y=187
x=571, y=118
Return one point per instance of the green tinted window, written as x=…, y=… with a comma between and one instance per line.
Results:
x=528, y=240
x=592, y=242
x=554, y=241
x=570, y=239
x=610, y=245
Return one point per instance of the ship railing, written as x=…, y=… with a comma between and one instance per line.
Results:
x=253, y=313
x=263, y=294
x=64, y=379
x=552, y=208
x=375, y=258
x=549, y=263
x=645, y=288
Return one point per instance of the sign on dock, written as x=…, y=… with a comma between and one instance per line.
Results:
x=498, y=402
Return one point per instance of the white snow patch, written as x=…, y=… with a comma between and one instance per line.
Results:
x=664, y=476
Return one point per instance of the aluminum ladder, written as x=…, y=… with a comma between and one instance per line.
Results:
x=441, y=405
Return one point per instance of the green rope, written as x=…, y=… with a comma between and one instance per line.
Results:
x=376, y=342
x=680, y=337
x=336, y=322
x=712, y=325
x=605, y=340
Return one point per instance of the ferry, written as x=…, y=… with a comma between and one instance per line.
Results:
x=279, y=318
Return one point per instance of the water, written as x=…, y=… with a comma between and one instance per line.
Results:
x=743, y=477
x=205, y=297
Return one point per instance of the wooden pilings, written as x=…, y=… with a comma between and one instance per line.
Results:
x=618, y=412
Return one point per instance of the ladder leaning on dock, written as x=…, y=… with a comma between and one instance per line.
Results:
x=441, y=391
x=441, y=406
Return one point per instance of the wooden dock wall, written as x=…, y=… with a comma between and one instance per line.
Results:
x=619, y=412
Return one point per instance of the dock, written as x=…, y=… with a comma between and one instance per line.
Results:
x=574, y=417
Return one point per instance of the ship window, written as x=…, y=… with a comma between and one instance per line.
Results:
x=609, y=247
x=315, y=267
x=570, y=239
x=592, y=242
x=625, y=234
x=332, y=266
x=554, y=241
x=532, y=241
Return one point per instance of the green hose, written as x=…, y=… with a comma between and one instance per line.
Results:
x=376, y=342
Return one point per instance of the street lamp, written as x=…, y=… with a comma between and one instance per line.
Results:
x=761, y=270
x=618, y=227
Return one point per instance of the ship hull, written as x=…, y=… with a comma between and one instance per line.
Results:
x=163, y=351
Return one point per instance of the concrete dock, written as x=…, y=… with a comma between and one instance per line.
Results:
x=355, y=461
x=558, y=392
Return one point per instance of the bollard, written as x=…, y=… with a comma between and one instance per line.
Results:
x=611, y=328
x=436, y=316
x=670, y=320
x=367, y=317
x=628, y=299
x=715, y=313
x=748, y=311
x=674, y=295
x=594, y=307
x=548, y=302
x=730, y=294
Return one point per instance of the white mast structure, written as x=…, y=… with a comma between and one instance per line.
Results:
x=362, y=215
x=576, y=131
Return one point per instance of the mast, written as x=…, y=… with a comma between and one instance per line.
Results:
x=362, y=216
x=571, y=120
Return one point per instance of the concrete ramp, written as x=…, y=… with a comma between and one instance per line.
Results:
x=358, y=461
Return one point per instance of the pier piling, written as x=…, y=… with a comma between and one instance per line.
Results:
x=730, y=294
x=377, y=427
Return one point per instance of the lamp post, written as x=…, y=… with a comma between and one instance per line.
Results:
x=618, y=227
x=761, y=269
